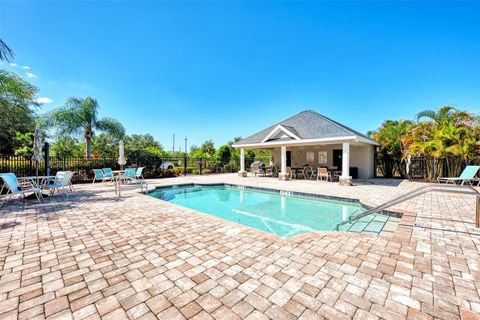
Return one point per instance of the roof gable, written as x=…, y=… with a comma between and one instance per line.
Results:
x=280, y=132
x=304, y=126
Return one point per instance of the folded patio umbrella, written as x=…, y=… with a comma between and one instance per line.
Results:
x=409, y=163
x=121, y=154
x=37, y=147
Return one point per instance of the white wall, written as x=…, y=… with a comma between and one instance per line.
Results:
x=361, y=156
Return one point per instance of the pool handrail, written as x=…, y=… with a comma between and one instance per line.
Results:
x=415, y=193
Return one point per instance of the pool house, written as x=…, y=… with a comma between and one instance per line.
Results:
x=311, y=139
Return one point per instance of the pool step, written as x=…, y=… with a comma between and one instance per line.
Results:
x=377, y=224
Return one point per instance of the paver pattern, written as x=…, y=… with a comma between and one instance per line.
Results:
x=94, y=255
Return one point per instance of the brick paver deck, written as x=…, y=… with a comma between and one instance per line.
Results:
x=95, y=255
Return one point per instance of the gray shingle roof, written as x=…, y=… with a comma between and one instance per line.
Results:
x=307, y=125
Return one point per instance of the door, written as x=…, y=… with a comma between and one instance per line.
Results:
x=337, y=159
x=289, y=158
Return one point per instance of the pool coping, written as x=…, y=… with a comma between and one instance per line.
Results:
x=397, y=214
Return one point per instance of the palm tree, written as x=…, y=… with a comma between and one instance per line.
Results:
x=451, y=137
x=6, y=54
x=80, y=116
x=443, y=116
x=391, y=150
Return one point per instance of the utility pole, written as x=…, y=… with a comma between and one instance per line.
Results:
x=173, y=145
x=185, y=159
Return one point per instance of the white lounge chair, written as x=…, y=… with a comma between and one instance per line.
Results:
x=468, y=175
x=61, y=183
x=16, y=188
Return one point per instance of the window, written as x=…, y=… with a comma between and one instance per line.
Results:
x=322, y=157
x=310, y=156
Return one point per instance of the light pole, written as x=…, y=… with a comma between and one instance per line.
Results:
x=185, y=159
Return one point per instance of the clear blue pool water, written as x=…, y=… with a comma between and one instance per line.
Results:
x=271, y=212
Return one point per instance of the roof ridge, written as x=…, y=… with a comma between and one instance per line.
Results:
x=303, y=123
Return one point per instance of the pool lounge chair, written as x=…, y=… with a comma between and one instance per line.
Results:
x=16, y=188
x=130, y=177
x=62, y=183
x=100, y=176
x=139, y=173
x=108, y=173
x=129, y=174
x=468, y=175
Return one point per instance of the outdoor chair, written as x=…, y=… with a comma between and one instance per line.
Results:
x=129, y=174
x=100, y=176
x=290, y=174
x=269, y=171
x=16, y=188
x=275, y=171
x=324, y=174
x=336, y=175
x=307, y=172
x=108, y=173
x=62, y=183
x=138, y=173
x=468, y=175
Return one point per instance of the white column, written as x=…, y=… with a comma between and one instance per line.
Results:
x=283, y=163
x=346, y=160
x=242, y=172
x=242, y=159
x=284, y=159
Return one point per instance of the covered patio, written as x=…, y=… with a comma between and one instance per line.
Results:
x=311, y=139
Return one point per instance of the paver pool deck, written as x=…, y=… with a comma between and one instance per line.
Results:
x=97, y=256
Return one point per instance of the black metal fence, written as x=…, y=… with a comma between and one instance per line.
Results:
x=155, y=167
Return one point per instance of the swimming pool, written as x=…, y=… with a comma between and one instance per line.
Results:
x=270, y=211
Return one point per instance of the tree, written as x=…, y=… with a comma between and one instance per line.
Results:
x=208, y=147
x=24, y=142
x=6, y=54
x=223, y=154
x=106, y=145
x=66, y=147
x=235, y=140
x=442, y=116
x=17, y=104
x=137, y=143
x=391, y=151
x=448, y=132
x=79, y=116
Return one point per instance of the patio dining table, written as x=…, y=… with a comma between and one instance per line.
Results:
x=38, y=180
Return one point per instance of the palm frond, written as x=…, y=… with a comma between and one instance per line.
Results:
x=111, y=126
x=431, y=114
x=6, y=54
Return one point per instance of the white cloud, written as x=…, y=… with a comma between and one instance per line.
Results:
x=14, y=65
x=44, y=100
x=26, y=68
x=30, y=75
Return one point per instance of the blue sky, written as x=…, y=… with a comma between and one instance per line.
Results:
x=216, y=70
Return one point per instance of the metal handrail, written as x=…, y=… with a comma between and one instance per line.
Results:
x=415, y=193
